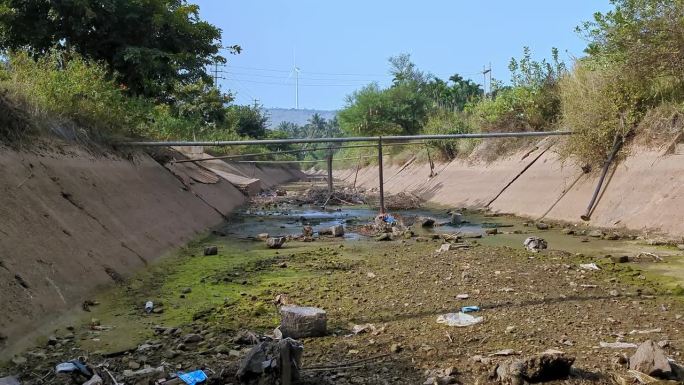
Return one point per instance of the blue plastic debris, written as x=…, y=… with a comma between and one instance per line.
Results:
x=470, y=309
x=192, y=378
x=73, y=366
x=389, y=219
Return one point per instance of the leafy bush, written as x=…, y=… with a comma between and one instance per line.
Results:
x=447, y=122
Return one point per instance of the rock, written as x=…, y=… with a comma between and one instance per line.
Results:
x=567, y=231
x=307, y=231
x=383, y=237
x=299, y=321
x=272, y=362
x=94, y=380
x=9, y=380
x=19, y=360
x=619, y=259
x=422, y=239
x=282, y=265
x=211, y=250
x=425, y=222
x=492, y=231
x=262, y=236
x=614, y=293
x=650, y=359
x=542, y=226
x=596, y=234
x=146, y=373
x=396, y=348
x=133, y=365
x=275, y=243
x=192, y=338
x=186, y=290
x=456, y=218
x=680, y=246
x=337, y=231
x=547, y=366
x=535, y=244
x=444, y=247
x=246, y=337
x=471, y=235
x=612, y=236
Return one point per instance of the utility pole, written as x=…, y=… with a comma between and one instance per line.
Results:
x=216, y=75
x=486, y=71
x=256, y=102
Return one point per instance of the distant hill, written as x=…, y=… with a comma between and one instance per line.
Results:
x=300, y=117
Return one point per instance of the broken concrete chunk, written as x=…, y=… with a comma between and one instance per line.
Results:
x=211, y=250
x=337, y=231
x=299, y=321
x=650, y=359
x=275, y=243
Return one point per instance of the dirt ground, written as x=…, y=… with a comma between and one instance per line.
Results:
x=529, y=303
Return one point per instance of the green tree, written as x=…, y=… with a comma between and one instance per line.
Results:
x=248, y=121
x=150, y=44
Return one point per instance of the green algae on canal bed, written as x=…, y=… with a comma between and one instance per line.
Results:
x=243, y=277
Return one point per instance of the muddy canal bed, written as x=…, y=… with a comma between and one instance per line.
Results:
x=529, y=302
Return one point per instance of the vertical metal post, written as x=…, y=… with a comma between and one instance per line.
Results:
x=380, y=177
x=330, y=173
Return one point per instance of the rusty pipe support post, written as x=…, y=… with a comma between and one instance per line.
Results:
x=330, y=173
x=380, y=177
x=617, y=143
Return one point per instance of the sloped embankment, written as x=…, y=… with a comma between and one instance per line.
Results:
x=644, y=192
x=72, y=221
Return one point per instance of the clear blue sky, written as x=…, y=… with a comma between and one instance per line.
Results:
x=342, y=45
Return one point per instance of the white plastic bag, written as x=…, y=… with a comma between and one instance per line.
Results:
x=459, y=319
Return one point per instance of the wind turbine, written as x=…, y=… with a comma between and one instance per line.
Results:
x=295, y=71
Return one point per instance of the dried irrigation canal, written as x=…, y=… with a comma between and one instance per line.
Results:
x=382, y=301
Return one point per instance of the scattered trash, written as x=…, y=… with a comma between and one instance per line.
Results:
x=94, y=380
x=389, y=218
x=193, y=378
x=444, y=247
x=365, y=328
x=272, y=362
x=505, y=352
x=9, y=380
x=535, y=244
x=470, y=309
x=211, y=250
x=459, y=319
x=149, y=307
x=74, y=367
x=548, y=366
x=589, y=266
x=649, y=331
x=462, y=296
x=618, y=345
